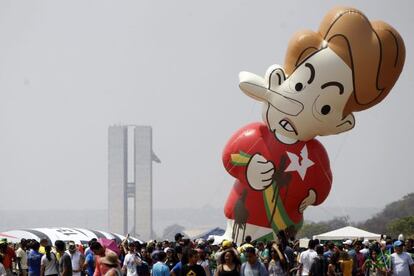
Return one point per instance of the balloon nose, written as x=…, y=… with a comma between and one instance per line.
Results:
x=284, y=104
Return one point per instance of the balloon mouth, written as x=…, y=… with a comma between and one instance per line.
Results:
x=288, y=126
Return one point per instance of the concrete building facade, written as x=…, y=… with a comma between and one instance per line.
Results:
x=124, y=141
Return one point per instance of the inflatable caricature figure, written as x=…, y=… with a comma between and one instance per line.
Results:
x=349, y=65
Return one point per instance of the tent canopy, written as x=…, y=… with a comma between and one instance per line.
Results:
x=348, y=232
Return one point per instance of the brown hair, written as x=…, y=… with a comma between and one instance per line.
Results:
x=374, y=51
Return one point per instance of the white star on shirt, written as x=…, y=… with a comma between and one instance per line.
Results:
x=302, y=166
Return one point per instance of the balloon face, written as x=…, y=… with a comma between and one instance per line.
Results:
x=309, y=102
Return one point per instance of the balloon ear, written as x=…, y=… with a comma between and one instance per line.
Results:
x=346, y=124
x=274, y=77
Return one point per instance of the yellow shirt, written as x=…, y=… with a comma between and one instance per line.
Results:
x=42, y=250
x=346, y=267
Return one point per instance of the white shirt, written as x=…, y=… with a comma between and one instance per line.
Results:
x=401, y=264
x=75, y=257
x=306, y=259
x=130, y=262
x=20, y=253
x=50, y=266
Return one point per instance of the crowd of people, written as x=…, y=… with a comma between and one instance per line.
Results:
x=185, y=257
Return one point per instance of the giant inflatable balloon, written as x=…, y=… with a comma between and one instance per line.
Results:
x=349, y=65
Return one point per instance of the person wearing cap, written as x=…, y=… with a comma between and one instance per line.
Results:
x=224, y=246
x=77, y=258
x=401, y=262
x=365, y=248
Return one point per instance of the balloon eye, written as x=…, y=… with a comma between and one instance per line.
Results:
x=325, y=109
x=298, y=86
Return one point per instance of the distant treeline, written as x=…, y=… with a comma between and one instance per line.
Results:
x=396, y=218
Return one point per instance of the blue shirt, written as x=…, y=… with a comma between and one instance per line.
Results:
x=90, y=262
x=177, y=268
x=33, y=262
x=160, y=269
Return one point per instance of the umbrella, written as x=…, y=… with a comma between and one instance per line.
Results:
x=109, y=244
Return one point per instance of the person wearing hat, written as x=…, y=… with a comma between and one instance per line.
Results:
x=111, y=264
x=401, y=262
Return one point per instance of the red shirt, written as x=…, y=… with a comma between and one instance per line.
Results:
x=256, y=138
x=8, y=258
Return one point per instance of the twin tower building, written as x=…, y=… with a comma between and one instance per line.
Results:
x=130, y=159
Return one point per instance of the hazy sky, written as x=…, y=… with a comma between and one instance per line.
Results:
x=70, y=69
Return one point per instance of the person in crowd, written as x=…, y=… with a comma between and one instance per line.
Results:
x=359, y=259
x=49, y=263
x=77, y=258
x=65, y=263
x=319, y=266
x=146, y=256
x=306, y=258
x=330, y=250
x=401, y=262
x=278, y=264
x=34, y=259
x=111, y=264
x=373, y=266
x=43, y=243
x=252, y=267
x=225, y=245
x=178, y=238
x=365, y=248
x=247, y=240
x=346, y=263
x=334, y=268
x=183, y=259
x=203, y=260
x=263, y=253
x=9, y=256
x=100, y=252
x=89, y=264
x=229, y=264
x=191, y=267
x=21, y=258
x=160, y=268
x=171, y=257
x=3, y=271
x=131, y=261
